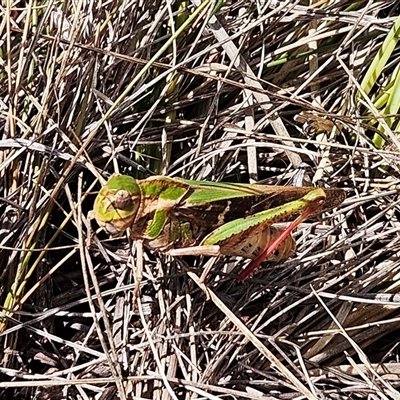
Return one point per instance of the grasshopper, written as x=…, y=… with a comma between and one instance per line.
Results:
x=186, y=217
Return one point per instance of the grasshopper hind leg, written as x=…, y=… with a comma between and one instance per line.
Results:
x=279, y=246
x=256, y=242
x=284, y=251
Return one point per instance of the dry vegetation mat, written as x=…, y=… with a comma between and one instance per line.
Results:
x=273, y=92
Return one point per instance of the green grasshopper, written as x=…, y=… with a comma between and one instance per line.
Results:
x=185, y=217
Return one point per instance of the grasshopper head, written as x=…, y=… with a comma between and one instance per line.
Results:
x=117, y=203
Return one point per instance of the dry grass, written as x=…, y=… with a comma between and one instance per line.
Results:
x=266, y=92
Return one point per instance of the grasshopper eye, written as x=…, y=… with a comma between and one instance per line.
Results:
x=122, y=200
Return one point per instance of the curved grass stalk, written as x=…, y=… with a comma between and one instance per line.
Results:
x=388, y=99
